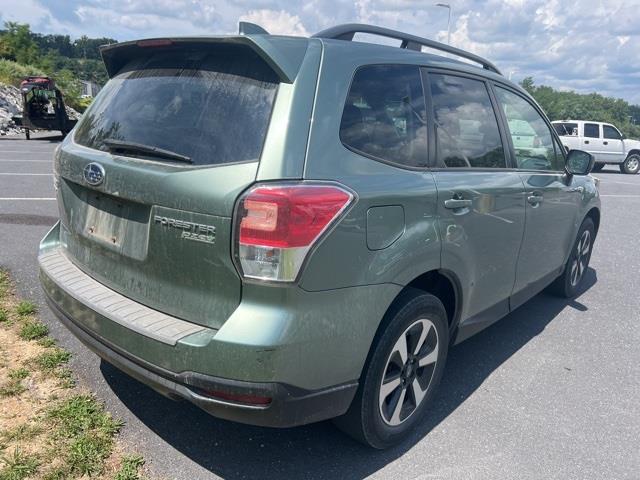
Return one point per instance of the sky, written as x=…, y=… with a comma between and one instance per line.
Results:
x=584, y=46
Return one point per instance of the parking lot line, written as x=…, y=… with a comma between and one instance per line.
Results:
x=621, y=196
x=26, y=174
x=12, y=199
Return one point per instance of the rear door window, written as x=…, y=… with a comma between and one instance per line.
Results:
x=385, y=117
x=592, y=130
x=466, y=124
x=212, y=106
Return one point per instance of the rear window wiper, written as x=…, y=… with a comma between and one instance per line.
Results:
x=121, y=145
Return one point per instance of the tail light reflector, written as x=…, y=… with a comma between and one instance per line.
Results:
x=277, y=224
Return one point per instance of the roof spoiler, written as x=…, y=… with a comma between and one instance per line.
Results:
x=284, y=55
x=409, y=42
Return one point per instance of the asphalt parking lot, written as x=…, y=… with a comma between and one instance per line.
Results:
x=551, y=391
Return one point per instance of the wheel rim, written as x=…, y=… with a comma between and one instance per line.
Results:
x=632, y=164
x=408, y=372
x=581, y=258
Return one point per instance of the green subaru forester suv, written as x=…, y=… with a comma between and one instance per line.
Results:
x=283, y=230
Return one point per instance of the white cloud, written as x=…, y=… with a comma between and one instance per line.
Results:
x=276, y=22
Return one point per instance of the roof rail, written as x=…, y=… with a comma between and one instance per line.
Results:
x=409, y=42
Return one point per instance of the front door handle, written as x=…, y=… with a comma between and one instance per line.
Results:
x=455, y=203
x=535, y=200
x=586, y=141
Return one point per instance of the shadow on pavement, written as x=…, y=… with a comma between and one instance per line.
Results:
x=235, y=451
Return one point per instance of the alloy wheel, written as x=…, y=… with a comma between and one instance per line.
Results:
x=408, y=372
x=581, y=258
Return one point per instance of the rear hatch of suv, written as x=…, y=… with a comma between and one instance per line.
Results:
x=147, y=185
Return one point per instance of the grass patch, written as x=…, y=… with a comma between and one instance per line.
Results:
x=130, y=468
x=14, y=386
x=17, y=465
x=25, y=308
x=52, y=359
x=33, y=330
x=53, y=430
x=82, y=423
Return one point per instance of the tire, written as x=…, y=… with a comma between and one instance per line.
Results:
x=27, y=134
x=598, y=166
x=567, y=284
x=374, y=417
x=631, y=165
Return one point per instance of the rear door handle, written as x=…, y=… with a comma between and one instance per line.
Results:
x=454, y=203
x=605, y=143
x=535, y=199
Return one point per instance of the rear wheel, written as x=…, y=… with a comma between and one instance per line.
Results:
x=598, y=166
x=402, y=373
x=566, y=285
x=631, y=165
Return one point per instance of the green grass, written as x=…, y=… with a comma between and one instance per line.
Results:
x=33, y=330
x=23, y=432
x=4, y=315
x=4, y=283
x=25, y=308
x=14, y=386
x=50, y=360
x=83, y=423
x=17, y=465
x=46, y=342
x=129, y=470
x=18, y=374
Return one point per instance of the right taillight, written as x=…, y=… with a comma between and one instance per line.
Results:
x=277, y=224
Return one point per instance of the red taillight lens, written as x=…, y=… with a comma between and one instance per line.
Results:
x=278, y=224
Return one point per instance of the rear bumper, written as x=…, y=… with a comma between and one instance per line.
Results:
x=290, y=406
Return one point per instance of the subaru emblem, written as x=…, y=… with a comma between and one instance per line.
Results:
x=94, y=174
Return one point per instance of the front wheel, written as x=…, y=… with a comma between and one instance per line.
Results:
x=631, y=165
x=566, y=285
x=402, y=373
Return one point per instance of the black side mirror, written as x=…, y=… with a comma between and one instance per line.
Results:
x=579, y=162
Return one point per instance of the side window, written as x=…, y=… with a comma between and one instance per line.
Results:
x=531, y=137
x=385, y=115
x=611, y=133
x=592, y=130
x=466, y=125
x=566, y=129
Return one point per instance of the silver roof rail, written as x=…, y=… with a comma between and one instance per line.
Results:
x=409, y=42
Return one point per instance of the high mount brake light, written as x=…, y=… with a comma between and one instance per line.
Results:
x=277, y=224
x=155, y=42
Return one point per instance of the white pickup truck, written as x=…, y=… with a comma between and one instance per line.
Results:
x=603, y=140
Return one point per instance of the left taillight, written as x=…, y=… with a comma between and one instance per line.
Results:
x=277, y=225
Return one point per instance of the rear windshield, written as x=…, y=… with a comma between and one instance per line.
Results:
x=212, y=106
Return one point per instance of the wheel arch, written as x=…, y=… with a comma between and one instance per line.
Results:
x=635, y=151
x=594, y=214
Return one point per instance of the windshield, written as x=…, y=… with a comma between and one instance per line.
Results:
x=212, y=107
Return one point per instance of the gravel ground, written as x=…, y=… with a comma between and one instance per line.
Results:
x=551, y=391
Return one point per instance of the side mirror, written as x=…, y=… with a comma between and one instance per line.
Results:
x=579, y=162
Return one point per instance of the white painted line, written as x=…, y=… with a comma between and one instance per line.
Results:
x=621, y=196
x=27, y=174
x=11, y=199
x=25, y=161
